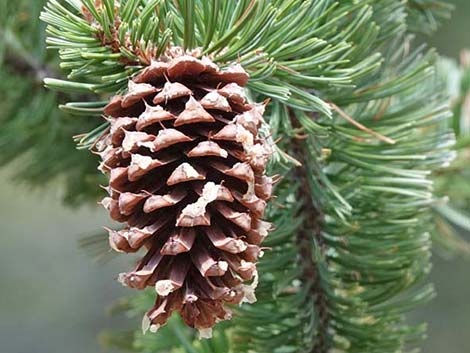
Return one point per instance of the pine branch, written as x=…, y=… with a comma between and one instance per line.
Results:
x=33, y=132
x=343, y=252
x=309, y=238
x=21, y=62
x=311, y=234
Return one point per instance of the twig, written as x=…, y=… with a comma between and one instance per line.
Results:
x=18, y=58
x=362, y=127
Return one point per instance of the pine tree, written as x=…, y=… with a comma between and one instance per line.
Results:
x=354, y=119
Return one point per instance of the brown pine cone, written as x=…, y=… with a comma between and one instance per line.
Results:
x=186, y=164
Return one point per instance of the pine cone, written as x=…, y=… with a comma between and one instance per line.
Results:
x=186, y=164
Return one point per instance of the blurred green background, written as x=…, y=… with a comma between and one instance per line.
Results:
x=448, y=315
x=53, y=297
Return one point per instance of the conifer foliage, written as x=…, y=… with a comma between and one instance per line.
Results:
x=351, y=121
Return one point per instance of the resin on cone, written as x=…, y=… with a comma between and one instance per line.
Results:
x=187, y=164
